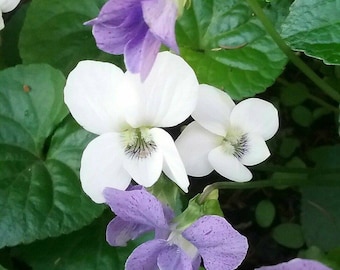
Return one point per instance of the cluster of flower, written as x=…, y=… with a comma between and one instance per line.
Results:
x=128, y=111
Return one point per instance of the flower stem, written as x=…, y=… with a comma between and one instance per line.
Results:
x=268, y=183
x=290, y=54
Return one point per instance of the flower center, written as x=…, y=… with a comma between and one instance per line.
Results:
x=138, y=143
x=177, y=239
x=235, y=142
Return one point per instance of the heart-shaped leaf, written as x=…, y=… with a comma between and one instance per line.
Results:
x=40, y=193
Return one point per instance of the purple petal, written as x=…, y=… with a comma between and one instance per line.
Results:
x=160, y=16
x=119, y=231
x=117, y=23
x=219, y=244
x=173, y=258
x=137, y=206
x=297, y=264
x=144, y=257
x=140, y=53
x=169, y=215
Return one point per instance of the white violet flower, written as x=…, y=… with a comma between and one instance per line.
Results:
x=226, y=137
x=126, y=113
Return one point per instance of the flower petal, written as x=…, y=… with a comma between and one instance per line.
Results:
x=173, y=258
x=298, y=264
x=228, y=166
x=137, y=206
x=119, y=231
x=256, y=151
x=101, y=166
x=145, y=256
x=172, y=165
x=219, y=244
x=167, y=96
x=93, y=94
x=255, y=115
x=145, y=170
x=2, y=24
x=140, y=53
x=213, y=109
x=8, y=5
x=116, y=25
x=160, y=16
x=194, y=145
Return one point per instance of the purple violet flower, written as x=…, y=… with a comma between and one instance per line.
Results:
x=136, y=28
x=296, y=264
x=210, y=237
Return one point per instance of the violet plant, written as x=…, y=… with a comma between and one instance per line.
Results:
x=209, y=128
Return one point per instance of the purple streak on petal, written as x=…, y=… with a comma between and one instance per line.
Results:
x=137, y=206
x=298, y=264
x=144, y=257
x=160, y=16
x=140, y=53
x=219, y=244
x=119, y=231
x=173, y=258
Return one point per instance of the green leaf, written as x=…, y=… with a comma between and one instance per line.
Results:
x=265, y=213
x=40, y=193
x=320, y=211
x=289, y=235
x=85, y=249
x=288, y=146
x=302, y=116
x=294, y=94
x=228, y=47
x=54, y=33
x=313, y=27
x=168, y=193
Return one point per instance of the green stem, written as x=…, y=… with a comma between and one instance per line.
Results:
x=267, y=183
x=324, y=103
x=290, y=54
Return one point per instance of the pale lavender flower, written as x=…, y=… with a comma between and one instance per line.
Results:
x=211, y=237
x=136, y=28
x=297, y=264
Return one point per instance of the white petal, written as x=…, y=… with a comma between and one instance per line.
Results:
x=8, y=5
x=228, y=165
x=194, y=145
x=257, y=150
x=213, y=109
x=93, y=94
x=172, y=166
x=167, y=96
x=101, y=166
x=255, y=115
x=2, y=25
x=145, y=171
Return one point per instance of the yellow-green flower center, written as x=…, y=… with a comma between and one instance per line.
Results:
x=138, y=143
x=235, y=142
